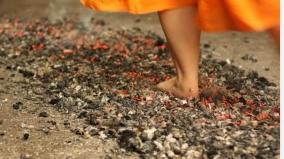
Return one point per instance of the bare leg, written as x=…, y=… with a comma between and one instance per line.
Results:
x=183, y=35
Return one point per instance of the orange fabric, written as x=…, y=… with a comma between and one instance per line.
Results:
x=213, y=15
x=244, y=15
x=135, y=6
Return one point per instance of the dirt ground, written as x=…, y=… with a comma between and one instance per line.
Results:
x=229, y=45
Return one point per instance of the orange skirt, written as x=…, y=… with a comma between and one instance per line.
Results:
x=213, y=15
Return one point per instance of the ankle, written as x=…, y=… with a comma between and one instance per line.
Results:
x=186, y=81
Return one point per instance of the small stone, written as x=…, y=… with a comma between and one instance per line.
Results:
x=150, y=133
x=102, y=135
x=67, y=52
x=148, y=147
x=176, y=133
x=104, y=99
x=261, y=92
x=254, y=123
x=253, y=59
x=25, y=156
x=183, y=102
x=131, y=112
x=193, y=154
x=176, y=148
x=170, y=138
x=184, y=147
x=45, y=130
x=269, y=137
x=163, y=156
x=87, y=135
x=167, y=145
x=251, y=150
x=78, y=88
x=25, y=126
x=159, y=145
x=218, y=145
x=94, y=132
x=244, y=123
x=170, y=154
x=277, y=157
x=229, y=62
x=149, y=98
x=43, y=114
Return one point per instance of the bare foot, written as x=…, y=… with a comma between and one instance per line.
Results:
x=166, y=85
x=180, y=90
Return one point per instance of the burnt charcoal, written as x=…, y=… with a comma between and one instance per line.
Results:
x=43, y=114
x=54, y=101
x=206, y=46
x=18, y=105
x=92, y=119
x=26, y=136
x=2, y=133
x=26, y=73
x=83, y=114
x=127, y=139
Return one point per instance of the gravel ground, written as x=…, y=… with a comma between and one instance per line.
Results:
x=227, y=45
x=36, y=130
x=97, y=83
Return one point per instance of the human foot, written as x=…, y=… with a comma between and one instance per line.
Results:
x=179, y=89
x=166, y=85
